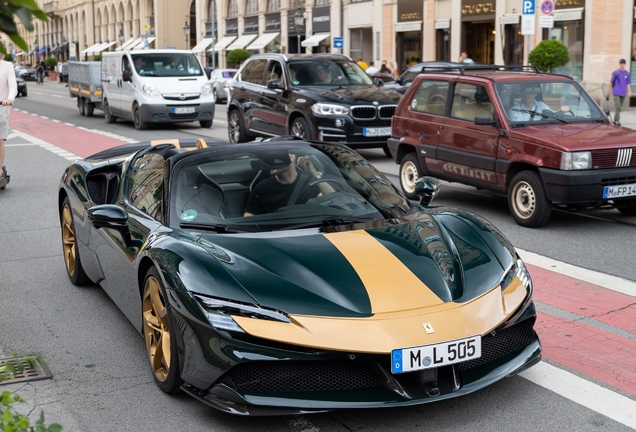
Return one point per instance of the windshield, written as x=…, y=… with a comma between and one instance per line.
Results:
x=546, y=101
x=311, y=72
x=167, y=64
x=279, y=185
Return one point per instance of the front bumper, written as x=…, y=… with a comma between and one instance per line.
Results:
x=586, y=186
x=351, y=131
x=163, y=113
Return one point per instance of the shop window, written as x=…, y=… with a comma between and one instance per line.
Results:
x=513, y=44
x=322, y=3
x=232, y=9
x=570, y=33
x=442, y=45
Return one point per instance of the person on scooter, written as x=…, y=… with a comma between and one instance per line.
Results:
x=8, y=92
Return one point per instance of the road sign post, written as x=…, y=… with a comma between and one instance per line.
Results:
x=338, y=42
x=546, y=19
x=527, y=23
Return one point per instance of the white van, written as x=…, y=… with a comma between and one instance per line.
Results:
x=156, y=86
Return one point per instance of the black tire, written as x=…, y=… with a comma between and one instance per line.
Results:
x=157, y=324
x=72, y=260
x=108, y=116
x=216, y=96
x=300, y=128
x=236, y=128
x=628, y=208
x=528, y=201
x=81, y=106
x=206, y=123
x=139, y=122
x=89, y=108
x=387, y=152
x=410, y=171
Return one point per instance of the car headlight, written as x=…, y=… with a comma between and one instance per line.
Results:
x=206, y=90
x=219, y=313
x=151, y=90
x=516, y=269
x=329, y=109
x=576, y=160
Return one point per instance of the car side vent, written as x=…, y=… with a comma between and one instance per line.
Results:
x=102, y=187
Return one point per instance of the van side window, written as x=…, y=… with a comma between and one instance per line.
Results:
x=256, y=72
x=125, y=64
x=430, y=97
x=470, y=101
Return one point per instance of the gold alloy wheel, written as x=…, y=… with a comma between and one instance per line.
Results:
x=68, y=240
x=524, y=200
x=156, y=329
x=408, y=174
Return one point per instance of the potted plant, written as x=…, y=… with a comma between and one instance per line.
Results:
x=549, y=54
x=50, y=64
x=237, y=56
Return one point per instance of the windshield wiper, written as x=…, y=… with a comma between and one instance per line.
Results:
x=219, y=228
x=328, y=221
x=540, y=114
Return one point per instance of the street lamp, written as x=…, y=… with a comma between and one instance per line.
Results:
x=186, y=32
x=299, y=21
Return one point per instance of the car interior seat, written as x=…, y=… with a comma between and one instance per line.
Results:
x=199, y=192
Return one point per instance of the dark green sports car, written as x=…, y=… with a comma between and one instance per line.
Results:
x=286, y=276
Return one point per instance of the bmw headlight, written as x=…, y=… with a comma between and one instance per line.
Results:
x=206, y=90
x=220, y=312
x=516, y=269
x=151, y=90
x=329, y=109
x=576, y=160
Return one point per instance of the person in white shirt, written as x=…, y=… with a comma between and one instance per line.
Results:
x=528, y=108
x=372, y=69
x=8, y=92
x=60, y=69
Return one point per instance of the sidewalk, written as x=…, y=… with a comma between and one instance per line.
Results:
x=628, y=117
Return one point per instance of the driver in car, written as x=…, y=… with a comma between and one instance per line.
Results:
x=323, y=74
x=528, y=108
x=287, y=186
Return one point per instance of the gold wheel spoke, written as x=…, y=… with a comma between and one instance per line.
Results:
x=165, y=348
x=152, y=321
x=155, y=298
x=157, y=360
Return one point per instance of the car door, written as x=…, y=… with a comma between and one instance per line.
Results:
x=248, y=92
x=466, y=151
x=127, y=88
x=143, y=200
x=111, y=78
x=273, y=115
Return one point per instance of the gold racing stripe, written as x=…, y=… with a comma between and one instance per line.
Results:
x=391, y=286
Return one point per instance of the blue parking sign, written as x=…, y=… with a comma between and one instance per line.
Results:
x=527, y=7
x=338, y=42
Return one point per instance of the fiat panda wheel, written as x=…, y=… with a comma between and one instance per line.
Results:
x=159, y=334
x=410, y=171
x=299, y=128
x=628, y=208
x=528, y=201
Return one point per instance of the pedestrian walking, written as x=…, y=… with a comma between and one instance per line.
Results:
x=65, y=73
x=620, y=87
x=394, y=70
x=39, y=73
x=60, y=66
x=8, y=92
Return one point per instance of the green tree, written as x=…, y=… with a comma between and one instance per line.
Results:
x=23, y=9
x=549, y=54
x=237, y=56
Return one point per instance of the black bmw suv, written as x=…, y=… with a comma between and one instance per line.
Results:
x=325, y=97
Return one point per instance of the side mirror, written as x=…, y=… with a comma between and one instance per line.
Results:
x=378, y=82
x=485, y=121
x=274, y=85
x=115, y=218
x=127, y=76
x=426, y=188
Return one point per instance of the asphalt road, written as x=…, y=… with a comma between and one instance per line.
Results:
x=102, y=381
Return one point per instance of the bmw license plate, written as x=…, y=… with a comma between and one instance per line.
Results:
x=435, y=355
x=619, y=191
x=184, y=110
x=376, y=132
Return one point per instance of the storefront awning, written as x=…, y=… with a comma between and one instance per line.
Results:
x=262, y=41
x=142, y=45
x=90, y=48
x=241, y=42
x=20, y=54
x=94, y=49
x=43, y=50
x=126, y=44
x=54, y=49
x=202, y=45
x=220, y=45
x=315, y=40
x=104, y=47
x=34, y=51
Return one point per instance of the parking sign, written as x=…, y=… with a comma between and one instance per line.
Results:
x=528, y=7
x=338, y=42
x=527, y=17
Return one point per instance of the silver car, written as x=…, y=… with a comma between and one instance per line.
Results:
x=220, y=80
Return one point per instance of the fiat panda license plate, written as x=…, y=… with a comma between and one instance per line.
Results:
x=184, y=110
x=435, y=355
x=376, y=132
x=619, y=191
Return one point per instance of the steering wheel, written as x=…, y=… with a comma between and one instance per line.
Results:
x=303, y=194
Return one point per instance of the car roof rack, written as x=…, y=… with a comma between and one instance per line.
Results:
x=463, y=69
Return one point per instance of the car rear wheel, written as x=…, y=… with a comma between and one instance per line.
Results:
x=628, y=208
x=139, y=122
x=158, y=325
x=300, y=128
x=528, y=201
x=90, y=107
x=410, y=171
x=108, y=116
x=236, y=128
x=72, y=260
x=216, y=96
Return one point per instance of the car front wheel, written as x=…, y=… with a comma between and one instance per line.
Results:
x=159, y=334
x=629, y=208
x=528, y=201
x=300, y=128
x=410, y=171
x=139, y=122
x=72, y=260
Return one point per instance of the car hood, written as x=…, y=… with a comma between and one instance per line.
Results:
x=350, y=95
x=362, y=270
x=581, y=136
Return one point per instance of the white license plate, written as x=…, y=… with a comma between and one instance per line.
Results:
x=619, y=191
x=435, y=355
x=185, y=110
x=374, y=132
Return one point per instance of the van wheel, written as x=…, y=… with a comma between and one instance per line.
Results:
x=299, y=128
x=140, y=124
x=108, y=116
x=236, y=128
x=80, y=105
x=410, y=171
x=89, y=108
x=528, y=201
x=206, y=124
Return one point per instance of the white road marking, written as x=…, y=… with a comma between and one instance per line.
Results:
x=613, y=283
x=20, y=145
x=585, y=393
x=69, y=124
